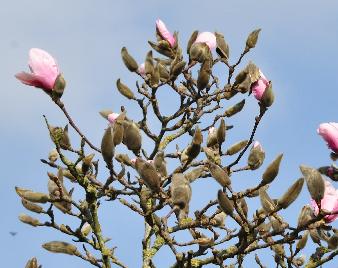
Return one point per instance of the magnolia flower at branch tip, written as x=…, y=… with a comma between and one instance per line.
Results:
x=329, y=202
x=164, y=32
x=260, y=86
x=44, y=70
x=112, y=117
x=208, y=38
x=329, y=132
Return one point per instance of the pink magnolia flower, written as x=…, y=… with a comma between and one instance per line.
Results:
x=329, y=132
x=112, y=117
x=260, y=86
x=44, y=70
x=328, y=203
x=208, y=38
x=165, y=34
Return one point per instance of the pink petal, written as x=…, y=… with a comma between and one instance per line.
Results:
x=256, y=144
x=44, y=65
x=112, y=117
x=141, y=69
x=208, y=38
x=32, y=80
x=212, y=129
x=329, y=132
x=163, y=31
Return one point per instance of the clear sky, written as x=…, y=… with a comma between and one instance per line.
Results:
x=297, y=50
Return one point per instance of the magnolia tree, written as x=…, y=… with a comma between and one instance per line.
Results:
x=155, y=181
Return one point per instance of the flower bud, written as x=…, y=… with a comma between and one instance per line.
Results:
x=194, y=174
x=128, y=60
x=219, y=219
x=193, y=148
x=176, y=70
x=160, y=164
x=333, y=242
x=148, y=174
x=86, y=229
x=204, y=76
x=107, y=146
x=124, y=159
x=314, y=182
x=164, y=33
x=124, y=90
x=268, y=96
x=305, y=216
x=31, y=206
x=29, y=220
x=291, y=194
x=132, y=137
x=180, y=193
x=222, y=48
x=256, y=156
x=208, y=38
x=234, y=149
x=329, y=132
x=266, y=202
x=272, y=170
x=32, y=196
x=234, y=109
x=225, y=203
x=221, y=132
x=149, y=64
x=164, y=74
x=252, y=39
x=192, y=40
x=302, y=242
x=60, y=247
x=59, y=85
x=219, y=174
x=212, y=155
x=32, y=263
x=199, y=52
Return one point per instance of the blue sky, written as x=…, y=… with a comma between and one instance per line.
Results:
x=297, y=50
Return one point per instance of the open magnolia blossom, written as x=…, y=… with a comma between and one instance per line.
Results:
x=164, y=32
x=44, y=70
x=259, y=86
x=328, y=203
x=329, y=132
x=208, y=38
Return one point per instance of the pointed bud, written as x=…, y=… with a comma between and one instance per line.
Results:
x=256, y=192
x=160, y=164
x=314, y=182
x=291, y=194
x=124, y=159
x=272, y=170
x=118, y=128
x=60, y=247
x=180, y=192
x=212, y=155
x=244, y=207
x=164, y=74
x=107, y=146
x=32, y=263
x=176, y=70
x=32, y=196
x=219, y=174
x=193, y=149
x=29, y=220
x=222, y=48
x=148, y=174
x=252, y=39
x=31, y=206
x=235, y=109
x=128, y=60
x=224, y=202
x=124, y=90
x=302, y=242
x=305, y=216
x=106, y=113
x=314, y=236
x=219, y=219
x=149, y=64
x=192, y=39
x=132, y=137
x=234, y=149
x=204, y=75
x=199, y=52
x=221, y=132
x=155, y=78
x=266, y=202
x=194, y=174
x=256, y=156
x=268, y=96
